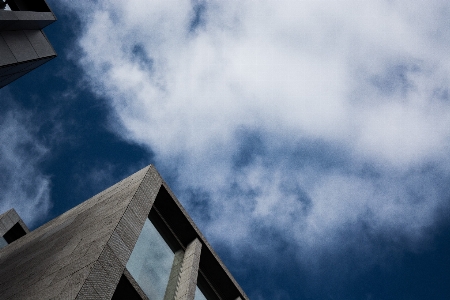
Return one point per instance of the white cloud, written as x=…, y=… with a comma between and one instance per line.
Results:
x=368, y=79
x=23, y=187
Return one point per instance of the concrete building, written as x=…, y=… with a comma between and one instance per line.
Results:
x=132, y=241
x=23, y=44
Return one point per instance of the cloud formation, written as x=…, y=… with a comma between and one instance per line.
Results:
x=324, y=122
x=23, y=187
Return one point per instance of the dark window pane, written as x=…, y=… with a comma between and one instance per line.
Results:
x=15, y=233
x=125, y=291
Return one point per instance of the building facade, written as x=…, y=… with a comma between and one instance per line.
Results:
x=23, y=44
x=132, y=241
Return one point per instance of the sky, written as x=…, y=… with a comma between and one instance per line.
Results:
x=308, y=140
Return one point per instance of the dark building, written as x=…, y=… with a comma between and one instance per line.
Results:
x=131, y=241
x=23, y=44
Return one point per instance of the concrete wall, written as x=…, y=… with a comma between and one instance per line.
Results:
x=83, y=253
x=23, y=44
x=58, y=258
x=21, y=51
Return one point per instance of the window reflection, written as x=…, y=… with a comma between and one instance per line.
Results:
x=3, y=243
x=198, y=294
x=150, y=262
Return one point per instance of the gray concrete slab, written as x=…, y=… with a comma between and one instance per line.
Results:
x=82, y=254
x=19, y=45
x=21, y=20
x=40, y=43
x=63, y=247
x=6, y=55
x=7, y=18
x=174, y=274
x=187, y=277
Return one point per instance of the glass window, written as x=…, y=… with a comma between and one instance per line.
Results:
x=199, y=295
x=3, y=242
x=150, y=262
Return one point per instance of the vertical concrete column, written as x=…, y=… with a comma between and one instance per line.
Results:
x=174, y=274
x=187, y=277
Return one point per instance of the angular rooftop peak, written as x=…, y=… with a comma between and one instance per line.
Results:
x=84, y=253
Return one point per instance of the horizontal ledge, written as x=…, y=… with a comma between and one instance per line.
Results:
x=20, y=20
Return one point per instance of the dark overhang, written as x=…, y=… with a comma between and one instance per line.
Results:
x=26, y=14
x=23, y=44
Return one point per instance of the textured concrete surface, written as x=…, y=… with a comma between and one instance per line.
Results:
x=82, y=254
x=110, y=265
x=74, y=250
x=187, y=277
x=174, y=274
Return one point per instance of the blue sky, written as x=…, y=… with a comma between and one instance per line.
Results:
x=309, y=140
